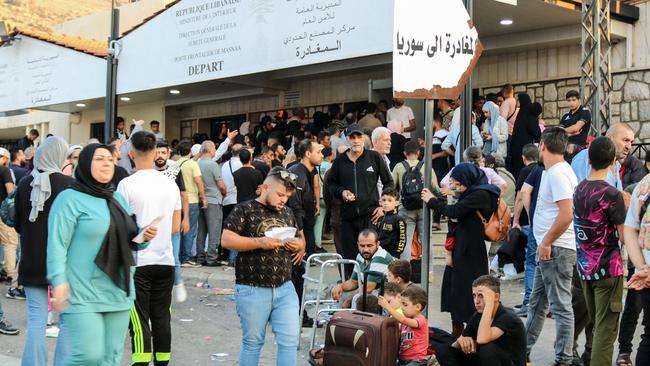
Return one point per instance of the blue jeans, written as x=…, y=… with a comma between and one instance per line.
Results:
x=530, y=264
x=176, y=247
x=35, y=350
x=552, y=288
x=256, y=306
x=187, y=240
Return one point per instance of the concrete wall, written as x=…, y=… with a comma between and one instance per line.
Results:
x=45, y=122
x=630, y=99
x=80, y=132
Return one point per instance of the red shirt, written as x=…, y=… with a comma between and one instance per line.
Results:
x=414, y=342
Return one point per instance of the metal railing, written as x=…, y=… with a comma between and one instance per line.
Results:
x=640, y=150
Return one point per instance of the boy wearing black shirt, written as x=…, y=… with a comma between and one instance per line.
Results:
x=391, y=227
x=577, y=121
x=494, y=336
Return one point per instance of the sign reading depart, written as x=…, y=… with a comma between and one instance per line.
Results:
x=198, y=40
x=435, y=49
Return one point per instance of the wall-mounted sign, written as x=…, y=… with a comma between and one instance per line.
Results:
x=198, y=40
x=35, y=73
x=435, y=49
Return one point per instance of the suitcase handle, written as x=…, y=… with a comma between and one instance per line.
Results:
x=365, y=286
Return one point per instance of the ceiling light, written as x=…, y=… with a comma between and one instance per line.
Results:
x=80, y=105
x=174, y=91
x=506, y=22
x=125, y=99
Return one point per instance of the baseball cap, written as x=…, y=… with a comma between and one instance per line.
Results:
x=355, y=128
x=195, y=149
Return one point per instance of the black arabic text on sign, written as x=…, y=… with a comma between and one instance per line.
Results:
x=439, y=44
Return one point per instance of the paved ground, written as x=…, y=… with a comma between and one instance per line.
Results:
x=207, y=324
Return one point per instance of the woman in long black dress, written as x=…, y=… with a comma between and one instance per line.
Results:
x=469, y=256
x=526, y=131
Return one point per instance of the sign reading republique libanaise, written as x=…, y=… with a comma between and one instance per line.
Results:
x=198, y=40
x=435, y=49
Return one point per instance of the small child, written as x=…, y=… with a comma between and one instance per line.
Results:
x=391, y=227
x=392, y=293
x=414, y=328
x=399, y=272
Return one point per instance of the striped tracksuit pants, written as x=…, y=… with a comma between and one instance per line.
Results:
x=150, y=328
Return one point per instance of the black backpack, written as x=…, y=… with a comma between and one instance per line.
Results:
x=411, y=186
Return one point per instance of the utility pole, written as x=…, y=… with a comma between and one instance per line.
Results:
x=110, y=106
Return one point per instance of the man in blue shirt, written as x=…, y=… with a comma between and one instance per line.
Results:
x=453, y=139
x=623, y=136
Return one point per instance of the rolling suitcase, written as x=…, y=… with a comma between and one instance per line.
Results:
x=361, y=339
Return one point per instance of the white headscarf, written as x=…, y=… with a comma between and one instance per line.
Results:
x=49, y=158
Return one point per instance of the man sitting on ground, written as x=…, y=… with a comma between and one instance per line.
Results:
x=494, y=336
x=371, y=257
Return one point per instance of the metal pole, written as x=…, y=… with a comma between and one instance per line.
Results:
x=110, y=105
x=426, y=217
x=466, y=102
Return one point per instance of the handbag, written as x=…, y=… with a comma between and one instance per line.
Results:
x=496, y=229
x=450, y=241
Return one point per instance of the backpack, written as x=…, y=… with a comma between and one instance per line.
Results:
x=411, y=186
x=8, y=209
x=496, y=229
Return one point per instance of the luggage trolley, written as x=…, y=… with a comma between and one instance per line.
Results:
x=321, y=259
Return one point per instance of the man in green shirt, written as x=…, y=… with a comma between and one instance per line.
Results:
x=371, y=257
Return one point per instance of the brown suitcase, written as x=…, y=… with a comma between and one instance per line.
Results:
x=361, y=339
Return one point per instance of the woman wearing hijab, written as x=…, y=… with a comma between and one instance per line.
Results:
x=90, y=263
x=469, y=256
x=496, y=131
x=71, y=160
x=34, y=197
x=526, y=131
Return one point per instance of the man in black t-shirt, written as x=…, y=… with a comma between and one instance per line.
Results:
x=494, y=336
x=263, y=289
x=247, y=178
x=577, y=121
x=162, y=156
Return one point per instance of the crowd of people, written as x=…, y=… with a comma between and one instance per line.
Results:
x=104, y=230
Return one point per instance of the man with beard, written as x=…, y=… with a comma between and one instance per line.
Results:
x=371, y=257
x=263, y=290
x=353, y=179
x=403, y=114
x=162, y=156
x=280, y=154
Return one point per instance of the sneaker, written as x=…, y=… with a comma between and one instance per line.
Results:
x=190, y=264
x=16, y=293
x=7, y=328
x=52, y=332
x=522, y=311
x=180, y=293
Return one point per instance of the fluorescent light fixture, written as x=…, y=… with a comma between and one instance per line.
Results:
x=509, y=2
x=506, y=22
x=125, y=99
x=174, y=91
x=80, y=105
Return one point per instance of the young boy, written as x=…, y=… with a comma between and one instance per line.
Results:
x=494, y=336
x=391, y=227
x=392, y=293
x=414, y=328
x=599, y=215
x=399, y=272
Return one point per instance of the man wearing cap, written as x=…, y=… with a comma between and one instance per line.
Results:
x=353, y=179
x=8, y=235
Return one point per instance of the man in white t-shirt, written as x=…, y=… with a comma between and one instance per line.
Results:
x=637, y=243
x=556, y=252
x=403, y=114
x=230, y=198
x=155, y=200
